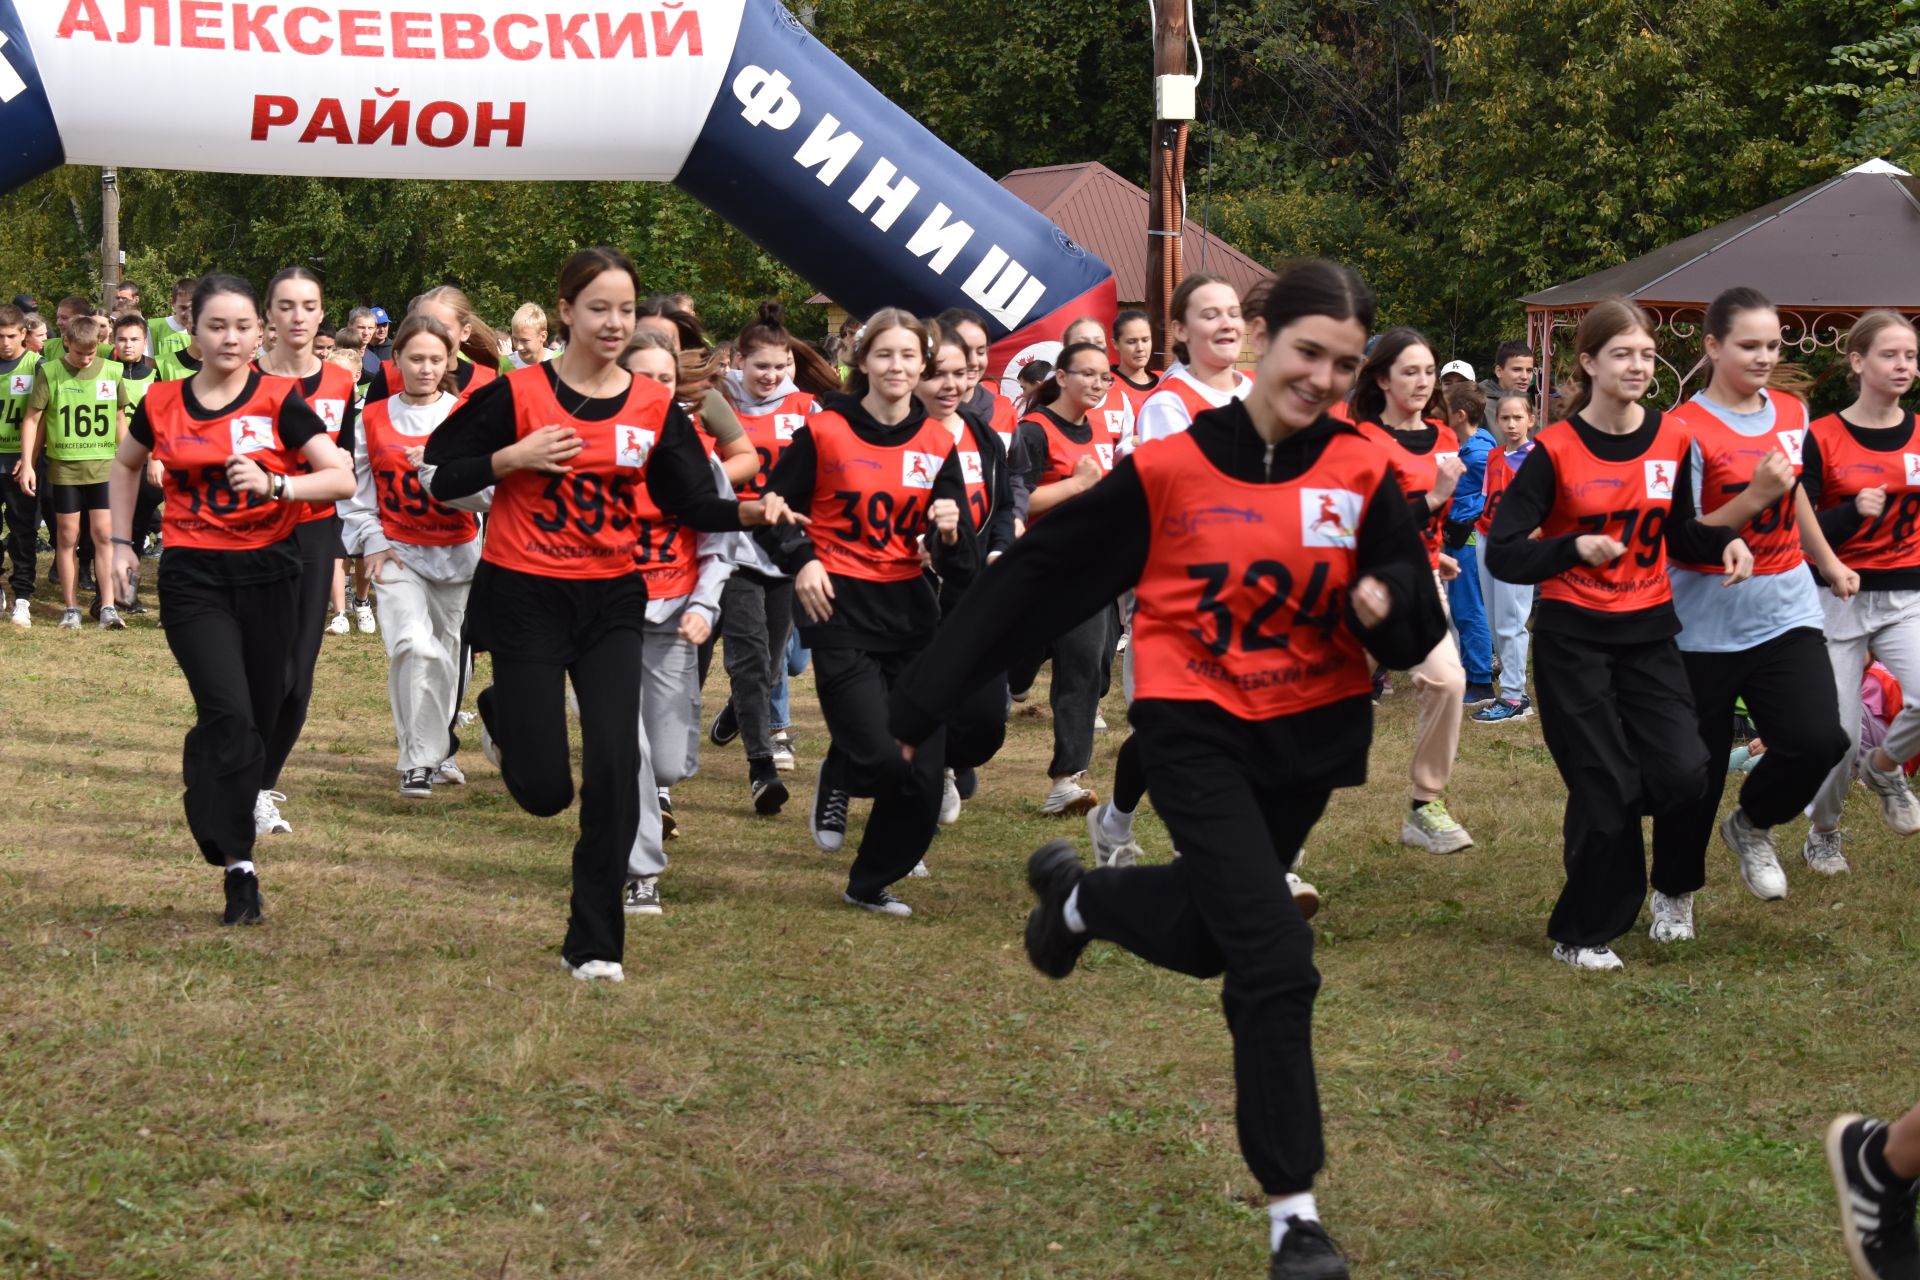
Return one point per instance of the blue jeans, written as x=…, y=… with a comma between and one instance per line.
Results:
x=798, y=656
x=1470, y=632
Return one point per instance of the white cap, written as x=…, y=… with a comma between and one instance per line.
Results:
x=1460, y=367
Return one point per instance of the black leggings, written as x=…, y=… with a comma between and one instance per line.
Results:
x=231, y=644
x=864, y=760
x=1129, y=776
x=319, y=546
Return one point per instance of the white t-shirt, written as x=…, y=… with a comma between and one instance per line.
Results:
x=1166, y=413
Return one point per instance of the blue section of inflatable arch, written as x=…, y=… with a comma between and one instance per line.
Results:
x=807, y=158
x=29, y=138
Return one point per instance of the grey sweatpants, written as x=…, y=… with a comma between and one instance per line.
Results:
x=669, y=733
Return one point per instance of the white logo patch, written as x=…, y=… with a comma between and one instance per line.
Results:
x=632, y=445
x=1329, y=518
x=1106, y=456
x=785, y=424
x=1913, y=468
x=970, y=468
x=251, y=435
x=917, y=469
x=1442, y=459
x=106, y=390
x=1791, y=441
x=1659, y=478
x=331, y=412
x=21, y=384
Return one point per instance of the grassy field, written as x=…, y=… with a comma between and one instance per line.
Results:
x=394, y=1077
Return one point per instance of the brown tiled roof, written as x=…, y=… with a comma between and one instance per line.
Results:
x=1107, y=215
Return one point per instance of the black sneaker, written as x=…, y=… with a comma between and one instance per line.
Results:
x=828, y=816
x=769, y=790
x=642, y=897
x=1052, y=872
x=243, y=898
x=725, y=727
x=882, y=903
x=966, y=782
x=417, y=783
x=1307, y=1253
x=1479, y=694
x=1876, y=1220
x=135, y=608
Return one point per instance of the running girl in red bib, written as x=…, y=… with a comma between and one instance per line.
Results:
x=876, y=474
x=1205, y=329
x=1758, y=641
x=242, y=454
x=1395, y=406
x=1113, y=416
x=557, y=595
x=1862, y=470
x=1266, y=546
x=1132, y=354
x=1614, y=703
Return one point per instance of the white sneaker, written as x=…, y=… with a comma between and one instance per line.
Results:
x=1432, y=828
x=488, y=747
x=1898, y=809
x=596, y=970
x=1305, y=896
x=339, y=626
x=920, y=870
x=1069, y=795
x=1672, y=918
x=110, y=619
x=1825, y=852
x=449, y=774
x=364, y=619
x=1586, y=957
x=1759, y=864
x=949, y=801
x=1108, y=852
x=69, y=619
x=22, y=612
x=783, y=752
x=266, y=815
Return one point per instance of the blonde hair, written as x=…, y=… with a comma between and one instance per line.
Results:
x=882, y=321
x=483, y=344
x=1868, y=327
x=529, y=316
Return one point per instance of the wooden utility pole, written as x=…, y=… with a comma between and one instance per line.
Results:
x=109, y=235
x=1173, y=97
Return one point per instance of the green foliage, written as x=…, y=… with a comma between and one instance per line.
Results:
x=1882, y=74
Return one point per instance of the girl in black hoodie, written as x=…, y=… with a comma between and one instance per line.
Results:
x=875, y=474
x=1267, y=546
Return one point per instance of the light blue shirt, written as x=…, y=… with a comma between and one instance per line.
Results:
x=1721, y=619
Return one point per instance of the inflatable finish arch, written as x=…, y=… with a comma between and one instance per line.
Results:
x=733, y=100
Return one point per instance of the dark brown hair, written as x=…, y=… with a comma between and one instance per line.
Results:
x=1607, y=320
x=1050, y=391
x=1369, y=397
x=1183, y=296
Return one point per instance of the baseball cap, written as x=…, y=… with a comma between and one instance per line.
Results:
x=1460, y=367
x=25, y=302
x=380, y=316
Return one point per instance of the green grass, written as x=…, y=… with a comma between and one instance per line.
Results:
x=395, y=1078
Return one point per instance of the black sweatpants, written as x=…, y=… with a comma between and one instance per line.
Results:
x=1619, y=721
x=540, y=632
x=756, y=612
x=319, y=546
x=22, y=514
x=231, y=644
x=864, y=760
x=1794, y=711
x=978, y=727
x=1223, y=906
x=1129, y=776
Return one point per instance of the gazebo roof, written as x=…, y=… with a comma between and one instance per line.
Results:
x=1849, y=243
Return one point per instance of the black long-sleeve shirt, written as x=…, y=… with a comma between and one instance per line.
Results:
x=1515, y=555
x=996, y=535
x=879, y=617
x=1840, y=523
x=1088, y=551
x=678, y=478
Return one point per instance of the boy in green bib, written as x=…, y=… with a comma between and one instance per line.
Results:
x=172, y=332
x=76, y=408
x=137, y=373
x=17, y=507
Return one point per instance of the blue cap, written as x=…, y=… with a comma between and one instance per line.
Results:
x=380, y=316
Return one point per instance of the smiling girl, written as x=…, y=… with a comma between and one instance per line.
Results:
x=1206, y=331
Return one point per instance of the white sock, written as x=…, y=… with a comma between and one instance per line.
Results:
x=1114, y=824
x=1300, y=1206
x=246, y=866
x=1070, y=912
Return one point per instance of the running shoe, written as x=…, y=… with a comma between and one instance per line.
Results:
x=1108, y=852
x=1500, y=711
x=1759, y=864
x=1121, y=646
x=828, y=814
x=1307, y=1252
x=1898, y=808
x=135, y=609
x=1479, y=694
x=769, y=788
x=1825, y=852
x=417, y=782
x=1305, y=896
x=363, y=617
x=449, y=774
x=783, y=752
x=1431, y=827
x=949, y=800
x=70, y=619
x=669, y=825
x=1069, y=795
x=1672, y=918
x=339, y=626
x=920, y=871
x=22, y=612
x=243, y=898
x=1586, y=957
x=1099, y=722
x=110, y=619
x=266, y=815
x=1876, y=1219
x=725, y=727
x=596, y=970
x=881, y=903
x=1053, y=872
x=642, y=897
